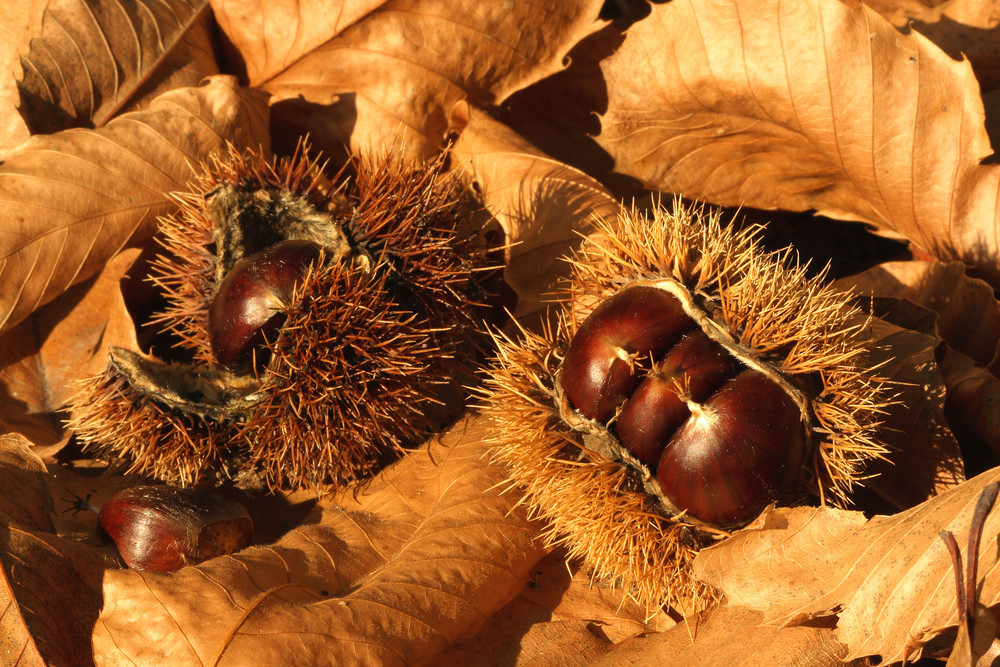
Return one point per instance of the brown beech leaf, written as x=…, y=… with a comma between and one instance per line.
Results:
x=418, y=562
x=543, y=205
x=92, y=56
x=973, y=403
x=562, y=617
x=901, y=12
x=63, y=341
x=970, y=29
x=20, y=21
x=70, y=201
x=26, y=502
x=811, y=105
x=272, y=35
x=924, y=459
x=888, y=579
x=730, y=636
x=51, y=585
x=968, y=315
x=390, y=78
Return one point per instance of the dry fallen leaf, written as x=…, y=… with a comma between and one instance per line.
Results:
x=52, y=585
x=92, y=59
x=562, y=617
x=543, y=205
x=389, y=77
x=423, y=557
x=730, y=636
x=807, y=106
x=72, y=200
x=968, y=316
x=546, y=109
x=888, y=580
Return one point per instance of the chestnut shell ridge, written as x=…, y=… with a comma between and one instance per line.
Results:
x=722, y=440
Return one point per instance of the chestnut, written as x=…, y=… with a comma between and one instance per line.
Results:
x=600, y=369
x=247, y=309
x=691, y=371
x=722, y=440
x=164, y=528
x=736, y=452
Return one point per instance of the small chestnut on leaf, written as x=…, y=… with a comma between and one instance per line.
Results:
x=164, y=528
x=248, y=307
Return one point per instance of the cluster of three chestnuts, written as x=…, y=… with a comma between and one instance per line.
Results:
x=722, y=439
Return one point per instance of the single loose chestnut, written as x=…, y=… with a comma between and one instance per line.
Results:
x=164, y=528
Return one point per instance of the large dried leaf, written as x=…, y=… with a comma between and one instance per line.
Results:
x=20, y=21
x=92, y=57
x=973, y=404
x=544, y=206
x=807, y=105
x=51, y=586
x=66, y=340
x=888, y=579
x=924, y=458
x=390, y=78
x=72, y=200
x=969, y=29
x=424, y=556
x=968, y=315
x=272, y=35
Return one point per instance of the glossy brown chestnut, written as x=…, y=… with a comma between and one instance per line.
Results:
x=248, y=307
x=692, y=370
x=599, y=371
x=163, y=528
x=736, y=452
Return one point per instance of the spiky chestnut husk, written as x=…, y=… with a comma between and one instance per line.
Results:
x=373, y=331
x=600, y=501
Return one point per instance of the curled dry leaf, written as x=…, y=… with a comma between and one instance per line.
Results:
x=774, y=105
x=730, y=636
x=26, y=502
x=889, y=580
x=968, y=315
x=270, y=36
x=925, y=459
x=543, y=205
x=93, y=58
x=72, y=200
x=969, y=29
x=391, y=76
x=973, y=401
x=417, y=563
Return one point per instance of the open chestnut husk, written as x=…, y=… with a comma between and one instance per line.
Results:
x=318, y=325
x=689, y=380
